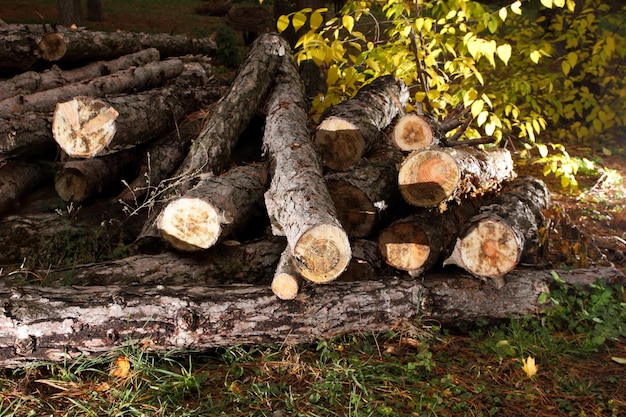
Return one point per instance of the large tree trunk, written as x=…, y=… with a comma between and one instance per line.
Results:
x=62, y=323
x=17, y=178
x=70, y=13
x=504, y=232
x=85, y=127
x=352, y=128
x=31, y=82
x=85, y=45
x=215, y=207
x=435, y=176
x=134, y=79
x=298, y=201
x=95, y=11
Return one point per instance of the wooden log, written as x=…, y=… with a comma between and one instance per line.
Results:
x=363, y=192
x=61, y=324
x=17, y=178
x=85, y=45
x=435, y=176
x=351, y=129
x=79, y=180
x=214, y=208
x=28, y=134
x=417, y=243
x=415, y=131
x=31, y=81
x=496, y=240
x=152, y=74
x=249, y=263
x=85, y=127
x=286, y=281
x=18, y=49
x=298, y=201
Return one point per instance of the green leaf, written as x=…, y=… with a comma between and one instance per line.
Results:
x=348, y=22
x=299, y=19
x=543, y=298
x=282, y=23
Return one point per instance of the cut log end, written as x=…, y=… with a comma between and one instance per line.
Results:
x=404, y=246
x=71, y=185
x=53, y=46
x=412, y=132
x=340, y=143
x=83, y=126
x=355, y=210
x=428, y=178
x=322, y=253
x=285, y=286
x=489, y=249
x=190, y=224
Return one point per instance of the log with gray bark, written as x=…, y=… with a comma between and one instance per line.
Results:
x=349, y=130
x=298, y=202
x=434, y=176
x=31, y=81
x=85, y=127
x=60, y=324
x=215, y=207
x=505, y=231
x=150, y=75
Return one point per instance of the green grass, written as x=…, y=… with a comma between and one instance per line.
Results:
x=420, y=369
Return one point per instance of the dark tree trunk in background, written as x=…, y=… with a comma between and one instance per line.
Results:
x=94, y=11
x=70, y=13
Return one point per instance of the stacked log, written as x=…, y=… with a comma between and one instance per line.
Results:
x=364, y=202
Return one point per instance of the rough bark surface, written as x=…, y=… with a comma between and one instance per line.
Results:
x=214, y=208
x=352, y=128
x=17, y=178
x=85, y=127
x=432, y=176
x=28, y=134
x=62, y=323
x=31, y=81
x=83, y=45
x=140, y=78
x=298, y=201
x=494, y=241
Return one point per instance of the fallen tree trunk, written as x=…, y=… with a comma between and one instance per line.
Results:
x=298, y=201
x=505, y=231
x=364, y=191
x=352, y=128
x=214, y=208
x=85, y=45
x=85, y=127
x=434, y=176
x=17, y=178
x=140, y=78
x=60, y=324
x=32, y=81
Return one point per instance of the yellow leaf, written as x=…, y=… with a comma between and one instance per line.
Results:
x=547, y=3
x=559, y=3
x=502, y=13
x=504, y=53
x=534, y=56
x=530, y=368
x=316, y=20
x=565, y=67
x=298, y=20
x=572, y=58
x=477, y=107
x=122, y=368
x=543, y=150
x=348, y=22
x=282, y=23
x=517, y=7
x=482, y=117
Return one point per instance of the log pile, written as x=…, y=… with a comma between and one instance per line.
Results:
x=226, y=228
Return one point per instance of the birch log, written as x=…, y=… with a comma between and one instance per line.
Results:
x=140, y=78
x=434, y=176
x=352, y=128
x=215, y=207
x=61, y=324
x=495, y=240
x=31, y=81
x=298, y=201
